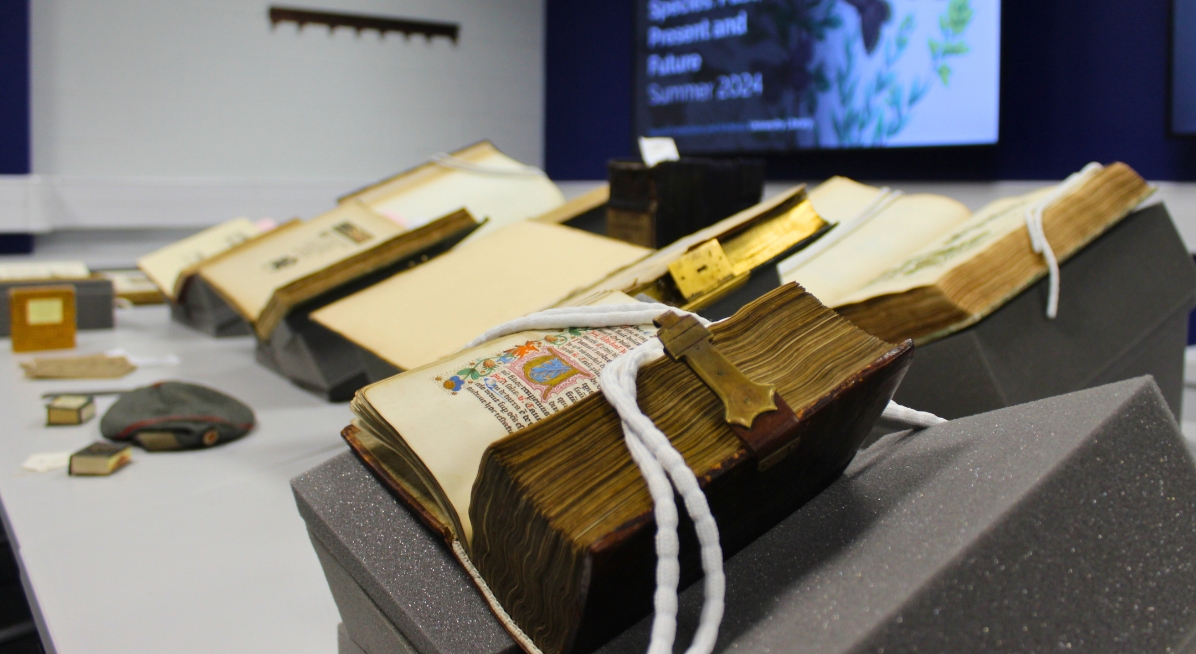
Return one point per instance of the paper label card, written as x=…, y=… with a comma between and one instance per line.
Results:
x=44, y=311
x=655, y=149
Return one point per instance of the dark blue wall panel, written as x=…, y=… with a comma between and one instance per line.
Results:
x=587, y=86
x=14, y=87
x=1081, y=80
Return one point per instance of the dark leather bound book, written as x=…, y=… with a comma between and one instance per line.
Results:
x=656, y=206
x=570, y=557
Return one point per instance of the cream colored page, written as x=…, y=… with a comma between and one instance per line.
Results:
x=163, y=266
x=434, y=309
x=502, y=197
x=44, y=270
x=840, y=199
x=960, y=245
x=449, y=412
x=901, y=229
x=251, y=276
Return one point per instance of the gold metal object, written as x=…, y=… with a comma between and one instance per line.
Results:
x=764, y=240
x=685, y=338
x=701, y=269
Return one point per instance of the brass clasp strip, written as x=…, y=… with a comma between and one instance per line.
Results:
x=743, y=399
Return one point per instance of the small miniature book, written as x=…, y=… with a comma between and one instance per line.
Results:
x=100, y=458
x=923, y=267
x=70, y=410
x=42, y=318
x=510, y=453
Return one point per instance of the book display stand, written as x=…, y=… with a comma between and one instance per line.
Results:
x=320, y=360
x=200, y=307
x=1123, y=312
x=1065, y=520
x=93, y=301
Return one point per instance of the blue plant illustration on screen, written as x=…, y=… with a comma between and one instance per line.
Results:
x=871, y=95
x=777, y=74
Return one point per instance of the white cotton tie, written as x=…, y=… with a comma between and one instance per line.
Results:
x=663, y=467
x=1038, y=239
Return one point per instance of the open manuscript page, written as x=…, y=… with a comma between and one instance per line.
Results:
x=875, y=230
x=249, y=277
x=479, y=178
x=450, y=411
x=432, y=310
x=165, y=265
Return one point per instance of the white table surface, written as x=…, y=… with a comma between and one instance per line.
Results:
x=198, y=551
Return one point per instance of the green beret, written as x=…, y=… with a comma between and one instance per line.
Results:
x=176, y=416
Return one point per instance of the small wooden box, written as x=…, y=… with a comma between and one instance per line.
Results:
x=70, y=410
x=43, y=318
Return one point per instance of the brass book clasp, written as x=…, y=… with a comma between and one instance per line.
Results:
x=685, y=338
x=701, y=270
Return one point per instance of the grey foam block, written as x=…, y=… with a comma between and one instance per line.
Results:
x=94, y=307
x=201, y=307
x=402, y=571
x=320, y=360
x=344, y=643
x=371, y=630
x=1123, y=312
x=1065, y=523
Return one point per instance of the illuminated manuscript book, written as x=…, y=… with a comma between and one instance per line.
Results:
x=299, y=261
x=476, y=444
x=923, y=268
x=420, y=315
x=478, y=178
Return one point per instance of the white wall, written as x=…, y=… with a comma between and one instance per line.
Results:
x=206, y=89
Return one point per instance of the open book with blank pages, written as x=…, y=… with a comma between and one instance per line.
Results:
x=478, y=178
x=476, y=443
x=922, y=266
x=170, y=267
x=298, y=261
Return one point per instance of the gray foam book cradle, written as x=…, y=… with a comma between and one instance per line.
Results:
x=1066, y=523
x=1123, y=312
x=201, y=307
x=94, y=307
